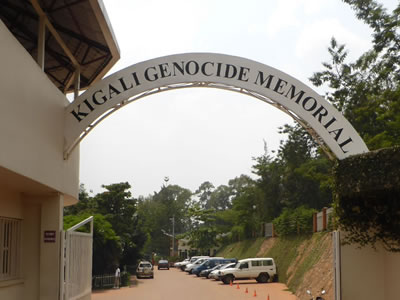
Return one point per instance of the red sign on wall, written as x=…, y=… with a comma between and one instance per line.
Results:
x=49, y=236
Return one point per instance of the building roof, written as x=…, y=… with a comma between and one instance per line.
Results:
x=83, y=27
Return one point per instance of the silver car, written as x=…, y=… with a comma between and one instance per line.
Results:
x=145, y=269
x=215, y=274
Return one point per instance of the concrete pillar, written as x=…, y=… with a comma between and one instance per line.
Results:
x=324, y=219
x=51, y=222
x=30, y=262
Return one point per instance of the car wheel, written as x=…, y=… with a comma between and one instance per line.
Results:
x=138, y=277
x=263, y=278
x=227, y=279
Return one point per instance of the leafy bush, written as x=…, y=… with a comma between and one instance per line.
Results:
x=125, y=278
x=367, y=191
x=294, y=221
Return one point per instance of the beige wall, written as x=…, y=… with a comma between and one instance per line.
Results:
x=51, y=219
x=12, y=291
x=392, y=276
x=35, y=180
x=32, y=121
x=39, y=267
x=369, y=274
x=10, y=204
x=30, y=261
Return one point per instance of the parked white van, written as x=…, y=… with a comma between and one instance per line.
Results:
x=260, y=269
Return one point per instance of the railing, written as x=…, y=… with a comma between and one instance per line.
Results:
x=103, y=281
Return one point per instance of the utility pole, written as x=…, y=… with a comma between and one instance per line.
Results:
x=173, y=234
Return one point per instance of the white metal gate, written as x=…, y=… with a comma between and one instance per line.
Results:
x=76, y=276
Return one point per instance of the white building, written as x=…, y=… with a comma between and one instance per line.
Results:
x=35, y=180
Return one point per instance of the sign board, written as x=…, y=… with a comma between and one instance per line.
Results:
x=218, y=71
x=49, y=236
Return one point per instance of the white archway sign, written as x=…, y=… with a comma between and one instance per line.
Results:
x=329, y=128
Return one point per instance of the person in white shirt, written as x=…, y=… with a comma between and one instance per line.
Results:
x=117, y=278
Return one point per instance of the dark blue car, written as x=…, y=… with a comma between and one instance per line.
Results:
x=211, y=263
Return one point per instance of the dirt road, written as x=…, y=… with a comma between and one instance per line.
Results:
x=174, y=284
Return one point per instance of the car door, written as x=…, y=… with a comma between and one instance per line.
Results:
x=244, y=270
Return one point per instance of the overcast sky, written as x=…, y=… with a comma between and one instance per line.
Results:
x=200, y=134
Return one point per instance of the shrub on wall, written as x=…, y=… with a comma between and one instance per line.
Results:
x=367, y=198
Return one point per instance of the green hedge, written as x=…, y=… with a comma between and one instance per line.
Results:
x=367, y=198
x=294, y=221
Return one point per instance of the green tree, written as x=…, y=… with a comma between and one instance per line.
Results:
x=157, y=210
x=220, y=198
x=367, y=90
x=204, y=193
x=119, y=208
x=84, y=204
x=204, y=234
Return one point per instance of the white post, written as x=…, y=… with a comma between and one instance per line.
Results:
x=336, y=264
x=62, y=264
x=41, y=41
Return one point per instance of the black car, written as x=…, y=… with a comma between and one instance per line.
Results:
x=163, y=264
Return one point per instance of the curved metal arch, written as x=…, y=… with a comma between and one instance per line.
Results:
x=303, y=123
x=326, y=125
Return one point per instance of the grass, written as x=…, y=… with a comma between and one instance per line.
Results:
x=240, y=250
x=286, y=251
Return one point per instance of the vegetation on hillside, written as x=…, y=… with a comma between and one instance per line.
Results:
x=294, y=255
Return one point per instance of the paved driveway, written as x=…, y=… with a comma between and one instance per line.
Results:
x=174, y=284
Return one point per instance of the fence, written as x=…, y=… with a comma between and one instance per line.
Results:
x=321, y=219
x=104, y=281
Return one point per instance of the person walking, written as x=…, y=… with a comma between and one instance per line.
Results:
x=117, y=278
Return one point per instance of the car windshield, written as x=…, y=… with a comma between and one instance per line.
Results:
x=217, y=267
x=145, y=265
x=163, y=262
x=207, y=263
x=231, y=265
x=199, y=261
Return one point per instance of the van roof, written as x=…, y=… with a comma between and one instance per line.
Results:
x=256, y=258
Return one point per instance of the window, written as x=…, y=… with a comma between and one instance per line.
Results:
x=10, y=232
x=256, y=263
x=244, y=265
x=267, y=262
